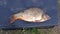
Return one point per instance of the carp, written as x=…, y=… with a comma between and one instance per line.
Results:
x=30, y=15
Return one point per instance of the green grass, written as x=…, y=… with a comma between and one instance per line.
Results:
x=24, y=31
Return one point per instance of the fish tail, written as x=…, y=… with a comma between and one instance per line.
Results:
x=12, y=19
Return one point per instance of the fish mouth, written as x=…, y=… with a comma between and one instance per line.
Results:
x=30, y=17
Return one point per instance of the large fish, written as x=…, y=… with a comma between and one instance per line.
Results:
x=30, y=15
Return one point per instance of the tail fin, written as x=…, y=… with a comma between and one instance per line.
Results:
x=12, y=19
